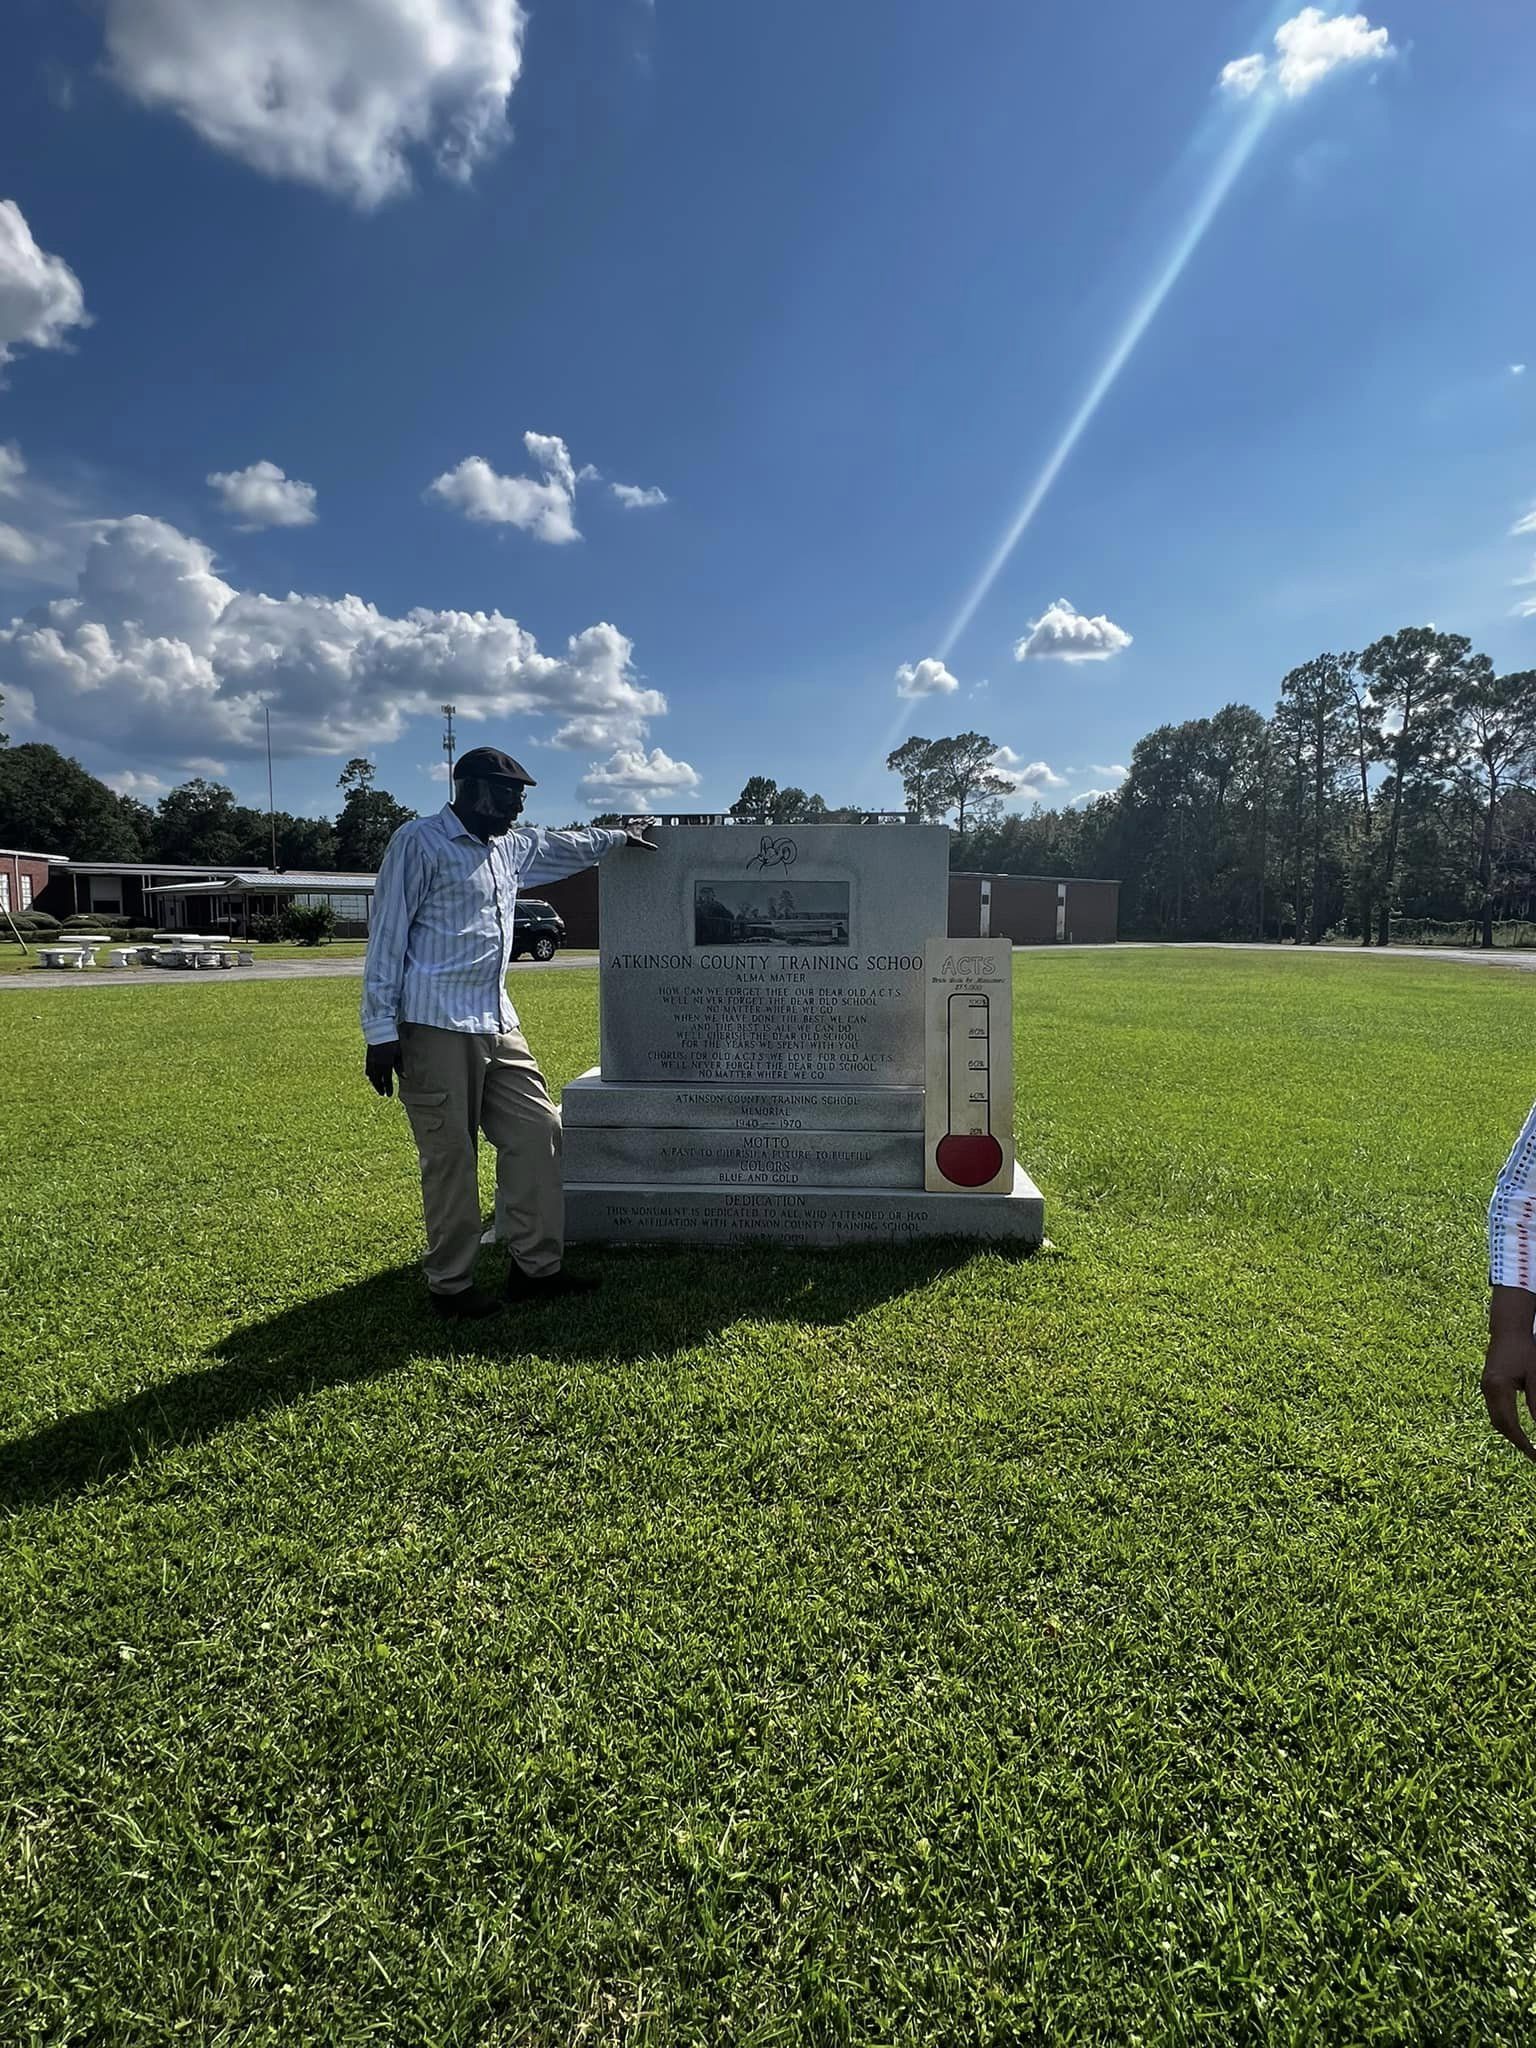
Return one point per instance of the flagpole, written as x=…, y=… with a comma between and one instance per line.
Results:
x=271, y=800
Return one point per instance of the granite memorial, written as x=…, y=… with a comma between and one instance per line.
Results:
x=764, y=1047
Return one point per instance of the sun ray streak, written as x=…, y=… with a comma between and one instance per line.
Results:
x=1224, y=176
x=1222, y=179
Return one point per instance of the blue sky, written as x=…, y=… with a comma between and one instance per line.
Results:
x=834, y=281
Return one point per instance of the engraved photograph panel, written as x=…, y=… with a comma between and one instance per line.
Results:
x=767, y=911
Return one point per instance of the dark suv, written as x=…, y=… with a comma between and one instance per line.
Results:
x=537, y=928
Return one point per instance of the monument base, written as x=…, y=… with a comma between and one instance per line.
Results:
x=610, y=1212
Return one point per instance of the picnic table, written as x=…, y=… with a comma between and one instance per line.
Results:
x=189, y=950
x=179, y=950
x=77, y=950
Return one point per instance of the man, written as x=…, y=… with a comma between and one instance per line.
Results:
x=1510, y=1367
x=436, y=1012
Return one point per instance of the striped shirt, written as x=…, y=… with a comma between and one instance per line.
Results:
x=1512, y=1216
x=441, y=935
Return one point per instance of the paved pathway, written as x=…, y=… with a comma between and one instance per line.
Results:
x=38, y=978
x=335, y=970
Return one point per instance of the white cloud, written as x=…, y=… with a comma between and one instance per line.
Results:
x=631, y=777
x=17, y=549
x=437, y=771
x=339, y=95
x=1112, y=769
x=1311, y=44
x=1038, y=774
x=1517, y=369
x=1525, y=525
x=40, y=537
x=1243, y=76
x=542, y=507
x=929, y=679
x=635, y=497
x=130, y=782
x=40, y=296
x=263, y=496
x=1062, y=633
x=157, y=653
x=593, y=731
x=1087, y=796
x=1308, y=48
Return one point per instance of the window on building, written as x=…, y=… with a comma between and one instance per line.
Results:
x=26, y=892
x=347, y=906
x=5, y=892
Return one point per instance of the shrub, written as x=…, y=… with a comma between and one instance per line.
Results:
x=93, y=921
x=309, y=924
x=30, y=921
x=266, y=931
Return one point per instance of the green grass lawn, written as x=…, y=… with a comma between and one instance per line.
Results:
x=1132, y=1644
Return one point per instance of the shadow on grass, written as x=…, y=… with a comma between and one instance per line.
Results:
x=651, y=1303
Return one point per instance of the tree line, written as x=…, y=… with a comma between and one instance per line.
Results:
x=1393, y=783
x=937, y=777
x=50, y=804
x=1398, y=782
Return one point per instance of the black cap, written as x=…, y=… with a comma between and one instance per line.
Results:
x=490, y=764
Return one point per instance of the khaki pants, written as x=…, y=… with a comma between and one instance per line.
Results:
x=453, y=1085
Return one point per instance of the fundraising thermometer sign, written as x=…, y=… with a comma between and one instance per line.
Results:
x=970, y=1066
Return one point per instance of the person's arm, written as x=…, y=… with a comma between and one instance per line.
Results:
x=1510, y=1367
x=397, y=895
x=551, y=856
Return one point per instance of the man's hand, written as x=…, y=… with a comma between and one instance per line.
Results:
x=381, y=1063
x=1510, y=1367
x=635, y=830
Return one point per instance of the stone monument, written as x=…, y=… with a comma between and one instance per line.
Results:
x=764, y=1047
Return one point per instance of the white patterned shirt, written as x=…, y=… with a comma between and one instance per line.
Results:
x=440, y=940
x=1512, y=1216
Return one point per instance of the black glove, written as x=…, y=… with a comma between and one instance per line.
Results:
x=381, y=1063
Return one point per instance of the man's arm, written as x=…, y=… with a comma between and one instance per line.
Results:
x=1510, y=1367
x=551, y=856
x=397, y=895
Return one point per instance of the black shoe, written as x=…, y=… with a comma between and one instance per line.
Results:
x=470, y=1305
x=523, y=1286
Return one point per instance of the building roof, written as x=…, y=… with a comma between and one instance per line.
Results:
x=143, y=867
x=303, y=878
x=265, y=881
x=22, y=853
x=998, y=875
